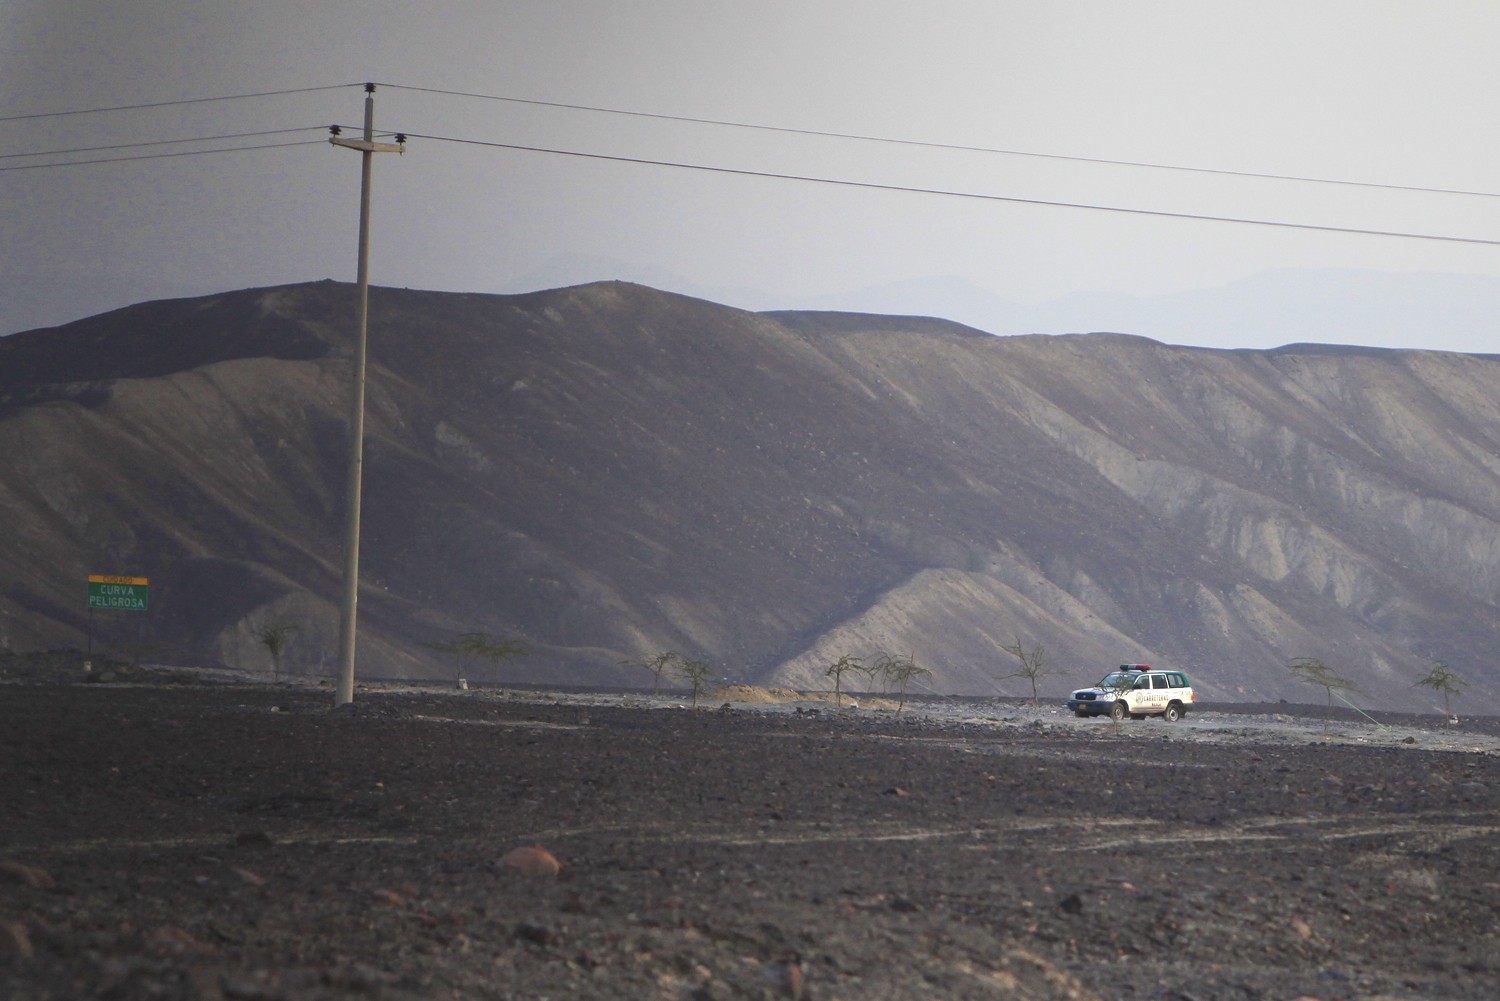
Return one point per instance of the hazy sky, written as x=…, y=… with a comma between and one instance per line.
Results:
x=1393, y=95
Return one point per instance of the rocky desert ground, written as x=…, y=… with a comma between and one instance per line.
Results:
x=167, y=835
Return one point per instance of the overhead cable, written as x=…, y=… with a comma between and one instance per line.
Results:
x=913, y=189
x=159, y=142
x=162, y=156
x=948, y=146
x=173, y=104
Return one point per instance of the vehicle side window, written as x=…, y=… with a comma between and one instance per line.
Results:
x=1159, y=681
x=1178, y=680
x=1144, y=681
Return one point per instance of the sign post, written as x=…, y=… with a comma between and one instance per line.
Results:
x=116, y=594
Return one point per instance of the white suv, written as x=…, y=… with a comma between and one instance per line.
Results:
x=1137, y=691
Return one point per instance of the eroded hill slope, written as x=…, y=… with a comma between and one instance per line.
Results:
x=608, y=471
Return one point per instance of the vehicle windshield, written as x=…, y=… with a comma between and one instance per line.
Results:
x=1119, y=679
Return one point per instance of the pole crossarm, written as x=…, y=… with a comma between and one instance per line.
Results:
x=369, y=147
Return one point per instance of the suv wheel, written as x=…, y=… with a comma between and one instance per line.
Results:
x=1173, y=713
x=1117, y=711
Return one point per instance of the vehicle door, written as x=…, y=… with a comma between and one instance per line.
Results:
x=1140, y=699
x=1161, y=692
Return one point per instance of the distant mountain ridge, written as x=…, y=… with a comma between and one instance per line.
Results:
x=1265, y=310
x=607, y=470
x=1269, y=309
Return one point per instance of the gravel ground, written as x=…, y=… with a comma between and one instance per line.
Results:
x=166, y=838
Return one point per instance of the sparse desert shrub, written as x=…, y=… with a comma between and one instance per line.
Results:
x=698, y=674
x=1440, y=679
x=275, y=637
x=467, y=648
x=1312, y=671
x=900, y=671
x=656, y=665
x=1034, y=665
x=838, y=669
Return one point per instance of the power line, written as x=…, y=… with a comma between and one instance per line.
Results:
x=159, y=142
x=948, y=146
x=1014, y=199
x=912, y=189
x=1145, y=164
x=162, y=156
x=173, y=104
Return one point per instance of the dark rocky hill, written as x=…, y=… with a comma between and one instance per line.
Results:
x=608, y=471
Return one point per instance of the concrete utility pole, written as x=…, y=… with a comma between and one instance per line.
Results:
x=367, y=147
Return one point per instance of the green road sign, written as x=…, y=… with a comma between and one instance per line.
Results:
x=122, y=594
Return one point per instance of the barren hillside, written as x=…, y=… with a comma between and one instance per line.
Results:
x=608, y=471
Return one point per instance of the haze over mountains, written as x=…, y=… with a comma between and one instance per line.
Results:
x=607, y=471
x=1273, y=308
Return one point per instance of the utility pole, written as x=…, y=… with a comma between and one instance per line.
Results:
x=367, y=147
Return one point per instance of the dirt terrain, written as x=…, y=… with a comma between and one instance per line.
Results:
x=165, y=838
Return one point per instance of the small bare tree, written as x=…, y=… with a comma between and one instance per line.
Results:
x=275, y=637
x=1034, y=665
x=900, y=671
x=838, y=669
x=657, y=665
x=1312, y=671
x=698, y=674
x=1440, y=679
x=1116, y=685
x=467, y=648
